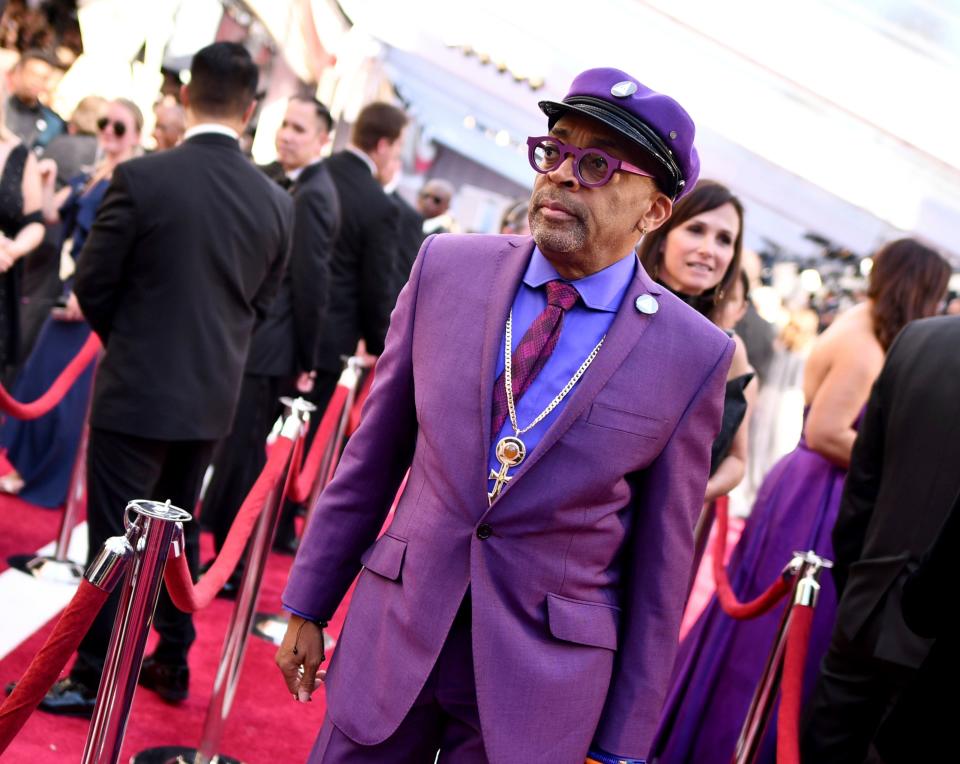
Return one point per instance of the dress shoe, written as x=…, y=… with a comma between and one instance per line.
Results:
x=171, y=681
x=69, y=698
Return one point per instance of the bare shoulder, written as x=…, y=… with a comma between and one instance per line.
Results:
x=740, y=364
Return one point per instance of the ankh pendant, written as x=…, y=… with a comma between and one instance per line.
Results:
x=510, y=452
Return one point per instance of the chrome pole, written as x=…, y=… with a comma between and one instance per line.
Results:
x=805, y=567
x=296, y=417
x=350, y=378
x=271, y=627
x=149, y=536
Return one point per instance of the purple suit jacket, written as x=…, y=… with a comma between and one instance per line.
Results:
x=577, y=594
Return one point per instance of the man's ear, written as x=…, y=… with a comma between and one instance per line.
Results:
x=658, y=213
x=185, y=97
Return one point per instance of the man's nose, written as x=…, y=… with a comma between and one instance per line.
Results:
x=563, y=173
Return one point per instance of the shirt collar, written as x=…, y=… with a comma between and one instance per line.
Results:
x=364, y=157
x=211, y=127
x=602, y=290
x=294, y=175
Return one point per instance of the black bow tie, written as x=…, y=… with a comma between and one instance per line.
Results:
x=285, y=182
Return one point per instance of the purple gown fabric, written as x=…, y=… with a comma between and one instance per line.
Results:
x=720, y=661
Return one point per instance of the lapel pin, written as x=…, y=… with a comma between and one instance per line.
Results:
x=647, y=304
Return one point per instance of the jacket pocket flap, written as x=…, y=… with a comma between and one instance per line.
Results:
x=385, y=557
x=632, y=422
x=586, y=623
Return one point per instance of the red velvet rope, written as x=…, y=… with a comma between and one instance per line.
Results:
x=307, y=472
x=189, y=597
x=357, y=409
x=728, y=600
x=45, y=403
x=791, y=687
x=47, y=664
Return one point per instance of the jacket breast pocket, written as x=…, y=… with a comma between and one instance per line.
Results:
x=385, y=557
x=594, y=624
x=622, y=420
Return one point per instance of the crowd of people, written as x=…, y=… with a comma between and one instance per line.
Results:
x=566, y=401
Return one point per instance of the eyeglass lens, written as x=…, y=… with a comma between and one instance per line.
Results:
x=592, y=167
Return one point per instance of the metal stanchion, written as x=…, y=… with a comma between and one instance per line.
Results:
x=234, y=646
x=807, y=567
x=149, y=537
x=59, y=567
x=272, y=626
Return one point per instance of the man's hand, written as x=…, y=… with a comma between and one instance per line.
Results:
x=69, y=312
x=299, y=657
x=305, y=381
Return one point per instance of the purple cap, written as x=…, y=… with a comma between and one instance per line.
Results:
x=653, y=121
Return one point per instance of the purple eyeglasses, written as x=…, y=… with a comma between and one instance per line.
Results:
x=592, y=167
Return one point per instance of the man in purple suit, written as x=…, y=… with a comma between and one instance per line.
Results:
x=523, y=604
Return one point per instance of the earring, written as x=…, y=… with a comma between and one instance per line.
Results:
x=643, y=231
x=718, y=296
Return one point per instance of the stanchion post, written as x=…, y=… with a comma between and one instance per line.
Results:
x=806, y=567
x=150, y=535
x=60, y=567
x=350, y=378
x=296, y=417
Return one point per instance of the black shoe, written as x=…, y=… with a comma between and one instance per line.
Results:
x=171, y=681
x=69, y=698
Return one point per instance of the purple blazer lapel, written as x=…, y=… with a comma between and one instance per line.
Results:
x=511, y=264
x=628, y=326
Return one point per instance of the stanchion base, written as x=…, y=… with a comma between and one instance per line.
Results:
x=176, y=754
x=47, y=568
x=272, y=626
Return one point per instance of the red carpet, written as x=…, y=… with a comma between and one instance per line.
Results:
x=265, y=724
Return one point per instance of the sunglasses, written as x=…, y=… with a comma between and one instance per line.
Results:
x=436, y=199
x=119, y=129
x=591, y=167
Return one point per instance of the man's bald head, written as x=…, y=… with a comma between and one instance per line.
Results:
x=434, y=198
x=170, y=125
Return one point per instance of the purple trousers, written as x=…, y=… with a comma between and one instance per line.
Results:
x=443, y=718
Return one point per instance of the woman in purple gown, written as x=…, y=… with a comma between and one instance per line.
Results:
x=721, y=660
x=42, y=451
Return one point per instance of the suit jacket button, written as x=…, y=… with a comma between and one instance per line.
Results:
x=484, y=531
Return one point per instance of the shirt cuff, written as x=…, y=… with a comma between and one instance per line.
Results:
x=300, y=613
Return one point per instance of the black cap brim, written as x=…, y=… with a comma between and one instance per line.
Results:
x=626, y=125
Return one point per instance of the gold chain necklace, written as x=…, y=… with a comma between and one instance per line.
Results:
x=510, y=450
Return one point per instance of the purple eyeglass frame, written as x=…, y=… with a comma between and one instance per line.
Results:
x=568, y=149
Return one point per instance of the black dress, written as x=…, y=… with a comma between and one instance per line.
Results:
x=11, y=221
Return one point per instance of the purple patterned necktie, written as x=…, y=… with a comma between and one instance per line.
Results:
x=534, y=349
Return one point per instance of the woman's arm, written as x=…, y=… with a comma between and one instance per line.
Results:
x=731, y=470
x=51, y=200
x=29, y=237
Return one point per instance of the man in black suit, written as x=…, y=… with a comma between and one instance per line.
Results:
x=901, y=485
x=284, y=345
x=187, y=251
x=364, y=264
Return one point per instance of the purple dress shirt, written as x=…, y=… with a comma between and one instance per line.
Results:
x=585, y=323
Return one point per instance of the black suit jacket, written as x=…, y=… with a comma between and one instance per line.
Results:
x=920, y=726
x=186, y=252
x=363, y=267
x=902, y=482
x=410, y=238
x=285, y=342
